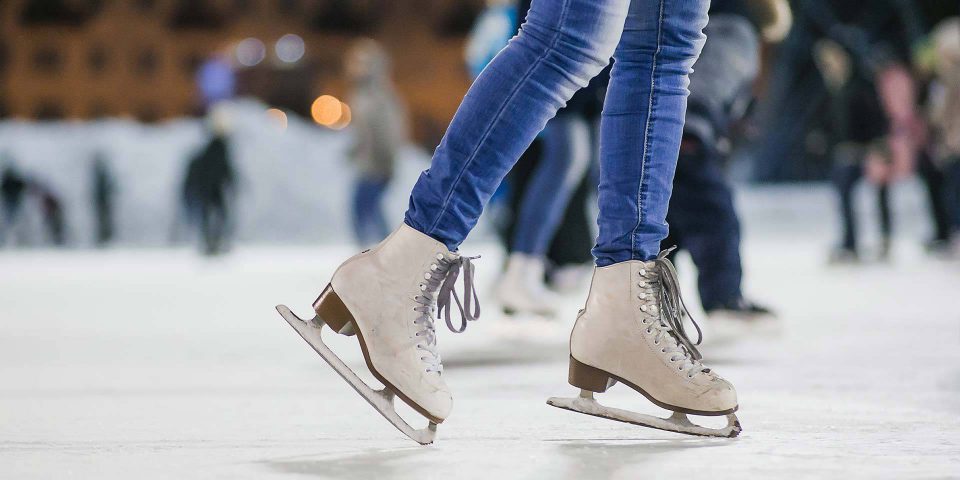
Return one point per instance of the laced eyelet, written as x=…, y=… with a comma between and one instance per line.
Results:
x=680, y=368
x=649, y=331
x=663, y=350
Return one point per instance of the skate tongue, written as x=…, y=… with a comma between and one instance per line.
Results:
x=447, y=290
x=672, y=307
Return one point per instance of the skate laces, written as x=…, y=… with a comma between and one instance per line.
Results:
x=662, y=285
x=436, y=291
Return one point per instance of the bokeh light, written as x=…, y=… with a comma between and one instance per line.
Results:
x=327, y=110
x=290, y=48
x=279, y=117
x=345, y=117
x=250, y=52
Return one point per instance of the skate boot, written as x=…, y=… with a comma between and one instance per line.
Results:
x=387, y=296
x=522, y=289
x=631, y=331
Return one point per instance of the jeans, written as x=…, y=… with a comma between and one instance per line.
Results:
x=564, y=160
x=704, y=222
x=703, y=218
x=953, y=192
x=561, y=46
x=369, y=225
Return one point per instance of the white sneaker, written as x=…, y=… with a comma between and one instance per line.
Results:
x=522, y=290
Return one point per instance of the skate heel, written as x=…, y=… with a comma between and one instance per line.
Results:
x=334, y=313
x=585, y=377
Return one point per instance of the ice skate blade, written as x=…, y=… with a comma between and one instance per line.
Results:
x=678, y=422
x=381, y=400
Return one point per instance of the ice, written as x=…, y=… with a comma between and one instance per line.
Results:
x=154, y=363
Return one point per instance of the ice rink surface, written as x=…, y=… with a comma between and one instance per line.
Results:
x=139, y=363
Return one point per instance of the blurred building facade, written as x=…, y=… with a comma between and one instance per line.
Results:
x=87, y=59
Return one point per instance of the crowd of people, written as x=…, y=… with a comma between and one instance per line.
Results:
x=882, y=80
x=206, y=197
x=890, y=93
x=879, y=78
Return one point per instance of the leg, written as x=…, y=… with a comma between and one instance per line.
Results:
x=642, y=125
x=221, y=224
x=574, y=238
x=935, y=181
x=702, y=209
x=362, y=211
x=886, y=217
x=206, y=226
x=378, y=221
x=565, y=158
x=562, y=45
x=389, y=295
x=631, y=328
x=513, y=187
x=953, y=192
x=845, y=177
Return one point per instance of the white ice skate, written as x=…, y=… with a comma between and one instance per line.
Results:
x=522, y=291
x=386, y=296
x=631, y=331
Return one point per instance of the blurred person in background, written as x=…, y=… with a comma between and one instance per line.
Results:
x=539, y=187
x=864, y=52
x=703, y=219
x=51, y=208
x=209, y=187
x=379, y=127
x=13, y=187
x=944, y=111
x=103, y=193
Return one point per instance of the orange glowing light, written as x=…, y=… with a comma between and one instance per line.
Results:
x=327, y=110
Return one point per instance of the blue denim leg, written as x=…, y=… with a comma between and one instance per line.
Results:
x=369, y=224
x=703, y=221
x=562, y=45
x=566, y=157
x=642, y=125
